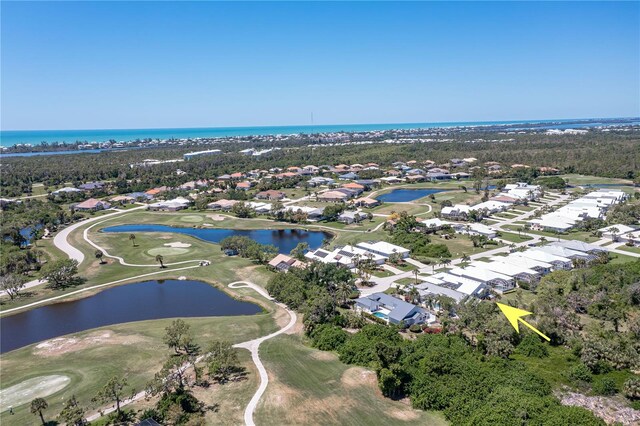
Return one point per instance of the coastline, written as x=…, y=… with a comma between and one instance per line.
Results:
x=9, y=138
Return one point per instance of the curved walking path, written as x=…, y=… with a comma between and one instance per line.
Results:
x=60, y=240
x=121, y=260
x=253, y=347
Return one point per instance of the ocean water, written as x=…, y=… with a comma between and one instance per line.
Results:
x=14, y=137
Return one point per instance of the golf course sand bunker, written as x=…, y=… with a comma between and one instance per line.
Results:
x=192, y=219
x=178, y=245
x=167, y=251
x=36, y=387
x=216, y=217
x=63, y=345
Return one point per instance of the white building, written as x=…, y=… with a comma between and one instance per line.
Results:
x=384, y=249
x=191, y=155
x=346, y=256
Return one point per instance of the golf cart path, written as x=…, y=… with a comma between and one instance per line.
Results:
x=253, y=347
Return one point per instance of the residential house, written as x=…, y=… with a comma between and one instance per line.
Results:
x=224, y=205
x=243, y=186
x=366, y=202
x=615, y=231
x=496, y=280
x=346, y=256
x=176, y=204
x=393, y=310
x=384, y=249
x=66, y=190
x=348, y=176
x=350, y=216
x=91, y=205
x=333, y=196
x=270, y=194
x=91, y=186
x=122, y=199
x=283, y=263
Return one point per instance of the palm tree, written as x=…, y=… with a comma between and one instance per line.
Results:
x=343, y=292
x=465, y=257
x=415, y=273
x=132, y=238
x=414, y=295
x=99, y=255
x=37, y=406
x=445, y=262
x=160, y=259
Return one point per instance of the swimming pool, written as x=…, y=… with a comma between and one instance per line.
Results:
x=381, y=315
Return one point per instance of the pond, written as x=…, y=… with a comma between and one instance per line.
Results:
x=284, y=239
x=405, y=195
x=147, y=300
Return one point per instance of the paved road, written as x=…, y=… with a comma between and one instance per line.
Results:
x=253, y=347
x=60, y=240
x=85, y=235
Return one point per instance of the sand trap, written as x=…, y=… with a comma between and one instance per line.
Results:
x=36, y=387
x=63, y=345
x=216, y=217
x=177, y=245
x=192, y=219
x=167, y=251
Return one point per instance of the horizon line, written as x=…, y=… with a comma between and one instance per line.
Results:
x=510, y=121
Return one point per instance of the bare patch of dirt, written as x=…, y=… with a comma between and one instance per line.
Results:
x=280, y=395
x=405, y=415
x=610, y=410
x=63, y=345
x=323, y=356
x=357, y=377
x=298, y=328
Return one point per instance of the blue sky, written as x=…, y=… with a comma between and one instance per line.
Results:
x=136, y=65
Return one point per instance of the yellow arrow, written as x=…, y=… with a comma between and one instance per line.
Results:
x=514, y=315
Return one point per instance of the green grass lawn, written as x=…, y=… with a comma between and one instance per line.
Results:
x=460, y=245
x=629, y=249
x=556, y=366
x=388, y=208
x=134, y=350
x=308, y=386
x=622, y=258
x=575, y=179
x=514, y=238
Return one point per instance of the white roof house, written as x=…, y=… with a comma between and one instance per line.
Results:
x=565, y=252
x=66, y=189
x=260, y=207
x=497, y=280
x=345, y=256
x=511, y=269
x=619, y=230
x=427, y=288
x=593, y=205
x=474, y=229
x=383, y=248
x=517, y=259
x=579, y=246
x=558, y=262
x=456, y=210
x=492, y=206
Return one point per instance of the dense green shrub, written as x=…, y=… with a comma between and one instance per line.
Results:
x=605, y=386
x=580, y=373
x=532, y=346
x=328, y=337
